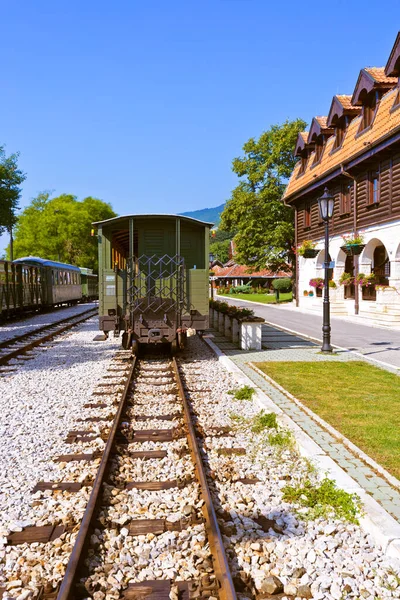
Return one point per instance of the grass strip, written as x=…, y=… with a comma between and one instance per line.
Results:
x=360, y=400
x=264, y=298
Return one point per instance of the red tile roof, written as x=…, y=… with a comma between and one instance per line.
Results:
x=242, y=271
x=378, y=74
x=355, y=142
x=345, y=101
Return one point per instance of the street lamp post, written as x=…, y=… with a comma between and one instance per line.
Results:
x=326, y=205
x=211, y=259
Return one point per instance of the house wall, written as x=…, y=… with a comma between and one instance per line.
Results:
x=387, y=301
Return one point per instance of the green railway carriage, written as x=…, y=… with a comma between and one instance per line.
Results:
x=30, y=284
x=153, y=277
x=89, y=282
x=60, y=282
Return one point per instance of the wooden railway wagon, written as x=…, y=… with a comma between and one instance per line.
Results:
x=60, y=282
x=20, y=287
x=153, y=278
x=90, y=284
x=32, y=283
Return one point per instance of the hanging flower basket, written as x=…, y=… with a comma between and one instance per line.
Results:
x=307, y=249
x=352, y=249
x=310, y=253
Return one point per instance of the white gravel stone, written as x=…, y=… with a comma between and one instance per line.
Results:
x=39, y=404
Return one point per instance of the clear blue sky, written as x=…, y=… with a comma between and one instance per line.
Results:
x=144, y=104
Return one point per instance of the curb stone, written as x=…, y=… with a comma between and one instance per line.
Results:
x=377, y=522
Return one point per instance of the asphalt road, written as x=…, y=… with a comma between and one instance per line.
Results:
x=375, y=342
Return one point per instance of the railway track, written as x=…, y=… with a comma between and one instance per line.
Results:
x=21, y=344
x=152, y=452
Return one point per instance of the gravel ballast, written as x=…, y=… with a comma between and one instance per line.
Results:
x=273, y=546
x=39, y=403
x=28, y=325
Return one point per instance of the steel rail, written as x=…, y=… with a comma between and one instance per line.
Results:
x=18, y=338
x=4, y=358
x=69, y=581
x=222, y=571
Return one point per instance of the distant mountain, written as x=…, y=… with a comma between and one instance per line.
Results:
x=210, y=215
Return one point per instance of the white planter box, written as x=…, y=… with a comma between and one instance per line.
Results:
x=221, y=323
x=235, y=331
x=215, y=319
x=250, y=336
x=228, y=327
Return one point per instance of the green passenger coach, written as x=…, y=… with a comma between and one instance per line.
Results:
x=153, y=278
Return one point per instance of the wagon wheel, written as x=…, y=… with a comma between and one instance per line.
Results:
x=135, y=348
x=174, y=348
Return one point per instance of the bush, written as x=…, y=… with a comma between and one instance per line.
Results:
x=241, y=289
x=282, y=285
x=244, y=393
x=264, y=420
x=323, y=500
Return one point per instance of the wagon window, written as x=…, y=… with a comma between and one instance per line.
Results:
x=68, y=277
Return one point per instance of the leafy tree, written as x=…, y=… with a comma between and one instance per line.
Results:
x=264, y=225
x=220, y=250
x=219, y=235
x=60, y=229
x=11, y=177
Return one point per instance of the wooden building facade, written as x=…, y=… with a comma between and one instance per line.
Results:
x=355, y=152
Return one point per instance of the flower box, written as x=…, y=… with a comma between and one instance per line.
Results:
x=310, y=253
x=352, y=249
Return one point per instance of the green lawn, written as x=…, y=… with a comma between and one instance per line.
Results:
x=264, y=298
x=359, y=400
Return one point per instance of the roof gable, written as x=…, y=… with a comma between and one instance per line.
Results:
x=341, y=106
x=392, y=68
x=371, y=78
x=318, y=127
x=301, y=142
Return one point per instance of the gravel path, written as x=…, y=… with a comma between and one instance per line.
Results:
x=10, y=330
x=39, y=404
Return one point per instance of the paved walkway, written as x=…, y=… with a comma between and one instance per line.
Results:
x=372, y=342
x=284, y=347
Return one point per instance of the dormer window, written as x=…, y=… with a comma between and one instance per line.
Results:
x=396, y=102
x=303, y=162
x=301, y=151
x=339, y=135
x=369, y=107
x=318, y=152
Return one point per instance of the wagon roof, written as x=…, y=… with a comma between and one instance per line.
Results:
x=151, y=215
x=35, y=260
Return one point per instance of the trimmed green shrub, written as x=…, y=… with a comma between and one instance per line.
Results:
x=282, y=285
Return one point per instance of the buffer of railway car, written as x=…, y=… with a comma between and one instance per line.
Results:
x=153, y=278
x=21, y=344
